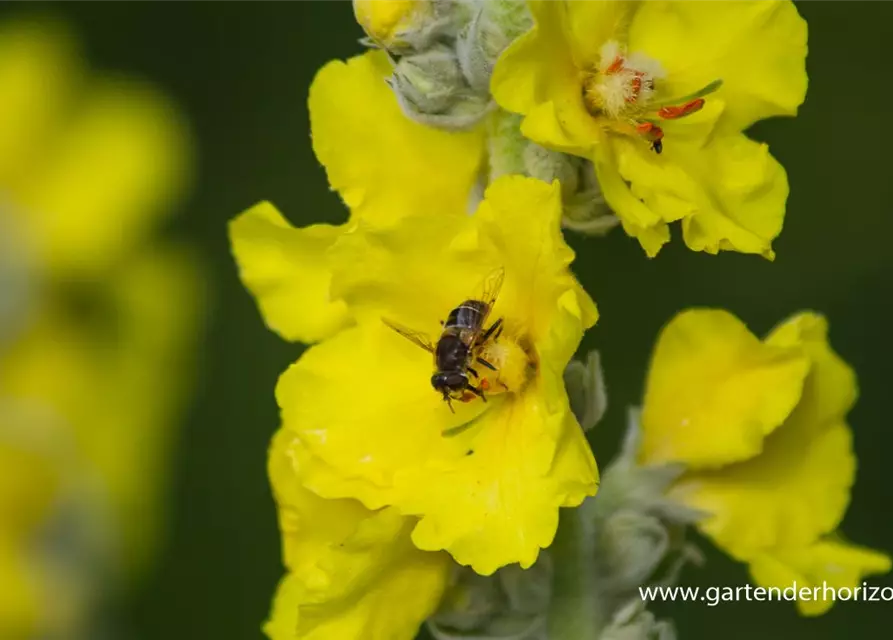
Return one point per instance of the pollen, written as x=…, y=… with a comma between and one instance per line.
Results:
x=514, y=365
x=621, y=89
x=620, y=86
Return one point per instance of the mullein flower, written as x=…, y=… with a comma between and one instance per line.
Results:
x=761, y=429
x=383, y=165
x=87, y=169
x=656, y=95
x=353, y=573
x=487, y=480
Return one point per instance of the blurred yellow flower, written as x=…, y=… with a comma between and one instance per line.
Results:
x=487, y=480
x=95, y=323
x=386, y=21
x=384, y=165
x=761, y=427
x=353, y=573
x=657, y=94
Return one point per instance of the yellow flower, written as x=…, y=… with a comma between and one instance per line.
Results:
x=761, y=427
x=657, y=94
x=88, y=168
x=487, y=480
x=386, y=21
x=385, y=167
x=353, y=573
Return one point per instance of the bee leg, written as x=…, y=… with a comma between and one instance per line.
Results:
x=477, y=391
x=489, y=332
x=449, y=403
x=473, y=372
x=486, y=364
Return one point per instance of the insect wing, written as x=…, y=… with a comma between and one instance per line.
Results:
x=488, y=292
x=413, y=336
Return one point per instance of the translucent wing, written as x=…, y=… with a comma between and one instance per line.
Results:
x=491, y=286
x=414, y=336
x=488, y=291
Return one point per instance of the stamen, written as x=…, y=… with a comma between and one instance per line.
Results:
x=620, y=90
x=700, y=93
x=673, y=113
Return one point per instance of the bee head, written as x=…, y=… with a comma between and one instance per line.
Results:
x=449, y=383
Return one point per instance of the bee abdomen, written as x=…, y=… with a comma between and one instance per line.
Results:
x=468, y=315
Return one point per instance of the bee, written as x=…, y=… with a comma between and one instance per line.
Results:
x=457, y=350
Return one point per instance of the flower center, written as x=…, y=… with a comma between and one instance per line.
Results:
x=621, y=89
x=514, y=362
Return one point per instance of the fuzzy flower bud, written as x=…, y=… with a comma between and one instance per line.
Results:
x=388, y=21
x=429, y=81
x=431, y=89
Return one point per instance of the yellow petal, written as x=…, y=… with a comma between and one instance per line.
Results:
x=519, y=221
x=746, y=191
x=307, y=522
x=830, y=390
x=537, y=76
x=828, y=569
x=699, y=43
x=638, y=220
x=39, y=69
x=419, y=270
x=383, y=164
x=499, y=503
x=119, y=167
x=797, y=489
x=287, y=271
x=283, y=621
x=355, y=572
x=730, y=193
x=714, y=391
x=492, y=507
x=588, y=25
x=393, y=418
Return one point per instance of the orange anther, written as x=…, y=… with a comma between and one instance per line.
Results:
x=636, y=85
x=615, y=66
x=671, y=113
x=650, y=131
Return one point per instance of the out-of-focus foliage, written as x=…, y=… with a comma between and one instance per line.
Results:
x=99, y=318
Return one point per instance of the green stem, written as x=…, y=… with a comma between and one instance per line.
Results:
x=505, y=145
x=575, y=612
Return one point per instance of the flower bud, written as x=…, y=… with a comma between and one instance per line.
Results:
x=388, y=22
x=510, y=604
x=431, y=89
x=430, y=81
x=585, y=382
x=547, y=166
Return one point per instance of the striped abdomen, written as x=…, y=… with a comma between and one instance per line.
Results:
x=468, y=315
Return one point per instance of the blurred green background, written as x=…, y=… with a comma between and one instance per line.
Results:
x=241, y=73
